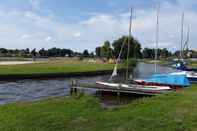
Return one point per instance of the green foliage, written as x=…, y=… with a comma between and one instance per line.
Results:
x=135, y=47
x=106, y=50
x=86, y=53
x=132, y=62
x=173, y=112
x=98, y=51
x=150, y=53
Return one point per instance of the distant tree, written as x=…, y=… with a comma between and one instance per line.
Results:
x=193, y=54
x=27, y=51
x=135, y=47
x=85, y=53
x=92, y=54
x=3, y=51
x=148, y=53
x=33, y=53
x=43, y=52
x=106, y=50
x=98, y=51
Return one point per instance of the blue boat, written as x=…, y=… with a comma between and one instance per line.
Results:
x=192, y=76
x=172, y=80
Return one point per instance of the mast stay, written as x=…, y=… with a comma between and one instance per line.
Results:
x=119, y=56
x=157, y=38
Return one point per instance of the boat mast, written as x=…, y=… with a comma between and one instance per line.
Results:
x=157, y=38
x=182, y=23
x=188, y=32
x=128, y=51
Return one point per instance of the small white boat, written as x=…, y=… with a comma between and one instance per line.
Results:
x=134, y=86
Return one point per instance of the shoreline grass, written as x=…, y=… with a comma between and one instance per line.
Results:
x=172, y=112
x=54, y=66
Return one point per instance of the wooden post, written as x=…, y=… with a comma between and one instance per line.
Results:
x=118, y=93
x=73, y=89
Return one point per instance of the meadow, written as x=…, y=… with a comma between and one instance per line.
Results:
x=172, y=112
x=54, y=67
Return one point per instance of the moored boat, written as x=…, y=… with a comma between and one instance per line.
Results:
x=174, y=81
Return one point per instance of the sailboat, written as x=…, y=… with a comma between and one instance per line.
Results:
x=135, y=87
x=190, y=73
x=169, y=79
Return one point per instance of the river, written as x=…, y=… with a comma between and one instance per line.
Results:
x=34, y=89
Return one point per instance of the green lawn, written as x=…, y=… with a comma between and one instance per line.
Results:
x=53, y=66
x=173, y=112
x=193, y=64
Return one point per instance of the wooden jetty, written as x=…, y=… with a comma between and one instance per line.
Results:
x=133, y=89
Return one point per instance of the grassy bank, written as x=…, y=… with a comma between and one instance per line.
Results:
x=193, y=64
x=53, y=66
x=173, y=112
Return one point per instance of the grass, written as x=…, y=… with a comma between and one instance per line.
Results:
x=193, y=64
x=53, y=66
x=173, y=112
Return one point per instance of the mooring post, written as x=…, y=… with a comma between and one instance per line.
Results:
x=73, y=89
x=118, y=93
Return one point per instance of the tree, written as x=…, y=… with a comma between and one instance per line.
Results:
x=43, y=52
x=148, y=53
x=106, y=50
x=3, y=51
x=85, y=53
x=33, y=53
x=98, y=51
x=27, y=51
x=135, y=47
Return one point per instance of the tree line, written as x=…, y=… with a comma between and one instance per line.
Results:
x=53, y=52
x=112, y=50
x=106, y=50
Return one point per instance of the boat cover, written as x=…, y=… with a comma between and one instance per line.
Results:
x=169, y=79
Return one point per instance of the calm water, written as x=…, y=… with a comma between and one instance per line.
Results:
x=31, y=90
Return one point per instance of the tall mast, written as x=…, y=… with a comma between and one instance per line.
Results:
x=157, y=38
x=182, y=23
x=128, y=51
x=188, y=32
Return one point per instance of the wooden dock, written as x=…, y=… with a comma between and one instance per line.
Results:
x=75, y=86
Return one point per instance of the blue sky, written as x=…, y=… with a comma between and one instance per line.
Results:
x=85, y=24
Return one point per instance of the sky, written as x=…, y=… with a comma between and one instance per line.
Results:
x=86, y=24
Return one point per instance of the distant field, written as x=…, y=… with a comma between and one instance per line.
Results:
x=172, y=112
x=53, y=66
x=193, y=64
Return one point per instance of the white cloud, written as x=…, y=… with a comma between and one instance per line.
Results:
x=28, y=29
x=77, y=34
x=25, y=36
x=48, y=38
x=35, y=4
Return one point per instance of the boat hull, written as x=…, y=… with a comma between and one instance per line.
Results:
x=134, y=88
x=145, y=83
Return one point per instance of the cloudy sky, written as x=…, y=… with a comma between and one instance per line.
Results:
x=85, y=24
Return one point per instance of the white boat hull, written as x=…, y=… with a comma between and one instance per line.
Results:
x=133, y=86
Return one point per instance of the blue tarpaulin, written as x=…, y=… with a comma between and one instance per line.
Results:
x=170, y=79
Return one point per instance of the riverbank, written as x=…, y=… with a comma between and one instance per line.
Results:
x=151, y=61
x=176, y=111
x=54, y=68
